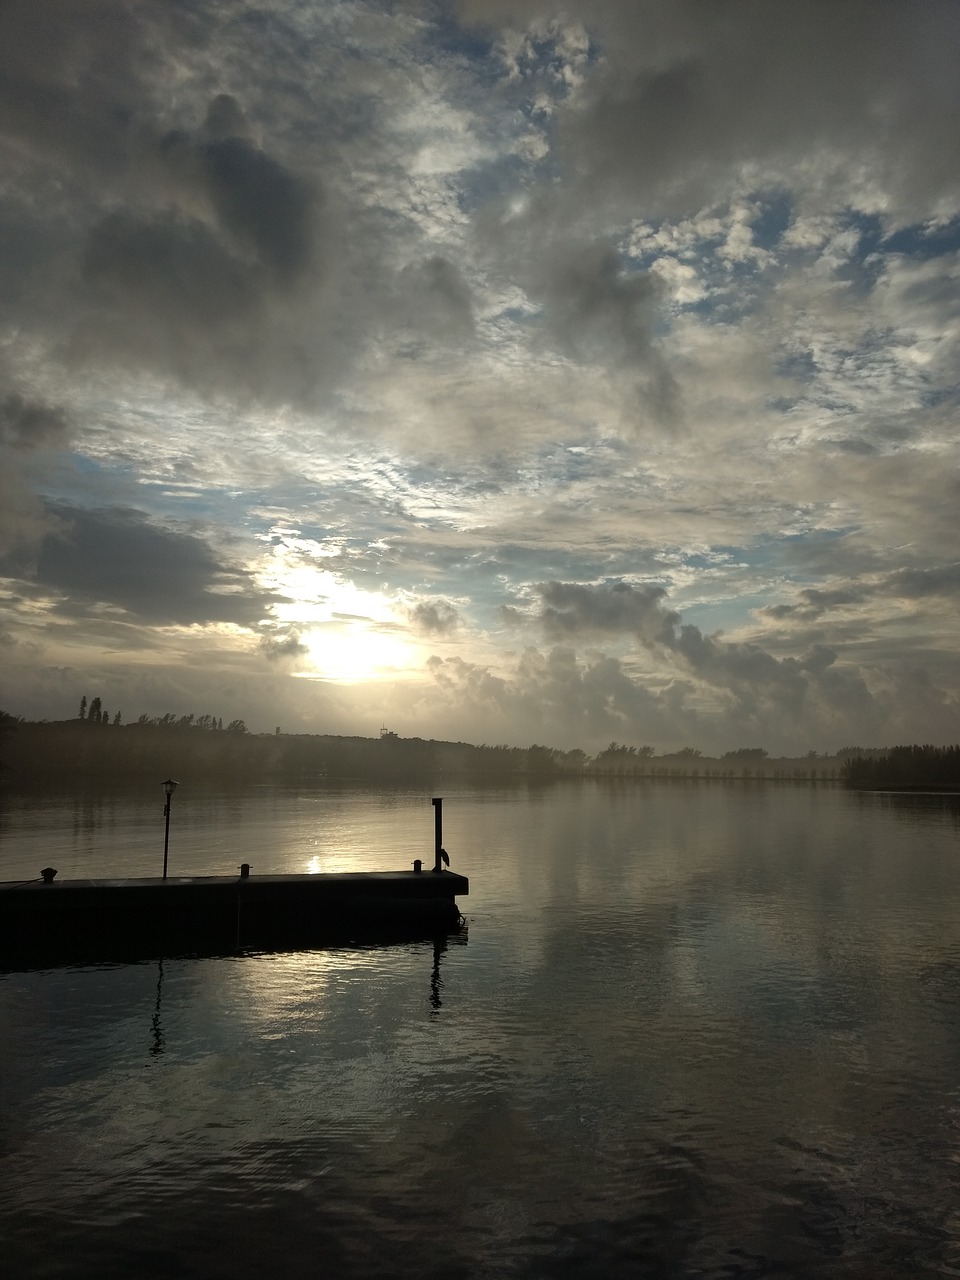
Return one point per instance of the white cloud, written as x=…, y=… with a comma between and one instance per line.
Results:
x=655, y=293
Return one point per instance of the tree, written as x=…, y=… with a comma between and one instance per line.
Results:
x=542, y=759
x=83, y=707
x=94, y=712
x=116, y=718
x=236, y=726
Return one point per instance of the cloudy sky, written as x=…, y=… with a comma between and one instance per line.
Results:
x=498, y=370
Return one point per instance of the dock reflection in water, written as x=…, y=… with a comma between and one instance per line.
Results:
x=695, y=1032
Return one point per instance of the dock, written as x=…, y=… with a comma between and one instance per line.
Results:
x=47, y=920
x=84, y=918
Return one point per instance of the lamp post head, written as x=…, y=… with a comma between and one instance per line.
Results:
x=169, y=787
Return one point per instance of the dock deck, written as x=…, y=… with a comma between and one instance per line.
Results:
x=82, y=917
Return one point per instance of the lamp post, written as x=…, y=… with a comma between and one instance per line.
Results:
x=169, y=787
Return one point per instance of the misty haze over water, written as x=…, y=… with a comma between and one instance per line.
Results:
x=704, y=1031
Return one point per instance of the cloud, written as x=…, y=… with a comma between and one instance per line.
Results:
x=599, y=311
x=574, y=609
x=751, y=689
x=916, y=584
x=435, y=299
x=904, y=584
x=279, y=648
x=260, y=204
x=27, y=425
x=424, y=293
x=157, y=575
x=435, y=617
x=29, y=429
x=814, y=602
x=169, y=291
x=684, y=98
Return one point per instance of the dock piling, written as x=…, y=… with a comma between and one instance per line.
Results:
x=437, y=803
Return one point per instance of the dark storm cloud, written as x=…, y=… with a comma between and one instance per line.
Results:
x=166, y=276
x=27, y=425
x=158, y=575
x=197, y=250
x=594, y=307
x=572, y=609
x=203, y=281
x=29, y=429
x=266, y=208
x=598, y=311
x=435, y=617
x=756, y=683
x=689, y=92
x=744, y=669
x=914, y=584
x=435, y=298
x=814, y=602
x=277, y=648
x=904, y=584
x=552, y=693
x=70, y=77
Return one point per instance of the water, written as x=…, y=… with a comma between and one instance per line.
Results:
x=694, y=1031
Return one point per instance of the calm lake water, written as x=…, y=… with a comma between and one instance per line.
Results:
x=693, y=1031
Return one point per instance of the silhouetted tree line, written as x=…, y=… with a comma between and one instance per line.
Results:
x=905, y=768
x=96, y=714
x=199, y=746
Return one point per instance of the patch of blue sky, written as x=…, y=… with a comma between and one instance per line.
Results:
x=923, y=241
x=497, y=182
x=776, y=209
x=865, y=264
x=710, y=307
x=521, y=565
x=764, y=554
x=468, y=43
x=722, y=615
x=937, y=396
x=710, y=559
x=769, y=548
x=520, y=315
x=868, y=226
x=799, y=365
x=731, y=296
x=86, y=482
x=291, y=528
x=701, y=251
x=782, y=404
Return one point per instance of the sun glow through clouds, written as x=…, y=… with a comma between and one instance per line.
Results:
x=347, y=634
x=354, y=651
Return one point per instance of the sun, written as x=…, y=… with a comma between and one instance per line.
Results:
x=355, y=651
x=347, y=634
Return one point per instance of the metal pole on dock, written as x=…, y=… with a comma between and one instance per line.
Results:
x=437, y=803
x=169, y=787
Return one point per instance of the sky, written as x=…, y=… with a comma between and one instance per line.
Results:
x=503, y=372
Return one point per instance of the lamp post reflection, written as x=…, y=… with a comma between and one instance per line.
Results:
x=155, y=1026
x=169, y=787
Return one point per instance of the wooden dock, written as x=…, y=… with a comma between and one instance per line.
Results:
x=80, y=919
